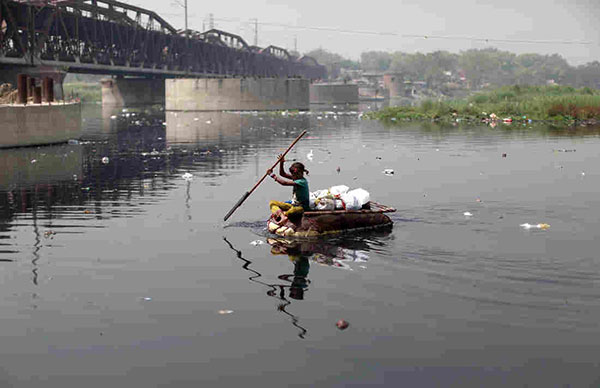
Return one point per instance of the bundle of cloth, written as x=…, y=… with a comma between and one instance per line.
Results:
x=339, y=197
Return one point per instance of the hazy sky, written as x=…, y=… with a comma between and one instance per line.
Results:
x=529, y=20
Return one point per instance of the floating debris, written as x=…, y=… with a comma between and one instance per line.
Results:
x=33, y=161
x=49, y=234
x=342, y=324
x=309, y=156
x=535, y=226
x=467, y=214
x=105, y=160
x=188, y=177
x=504, y=155
x=338, y=169
x=388, y=171
x=225, y=312
x=113, y=117
x=257, y=242
x=147, y=298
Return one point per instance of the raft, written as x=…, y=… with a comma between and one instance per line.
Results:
x=330, y=222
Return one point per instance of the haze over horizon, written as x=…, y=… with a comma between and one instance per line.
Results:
x=568, y=28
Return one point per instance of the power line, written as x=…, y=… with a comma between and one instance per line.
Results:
x=415, y=36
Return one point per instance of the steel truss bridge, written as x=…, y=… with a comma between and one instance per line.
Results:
x=110, y=37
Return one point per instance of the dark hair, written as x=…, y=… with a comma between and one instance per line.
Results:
x=298, y=167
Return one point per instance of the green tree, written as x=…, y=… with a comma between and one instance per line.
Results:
x=376, y=61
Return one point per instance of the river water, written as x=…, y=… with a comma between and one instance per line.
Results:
x=114, y=269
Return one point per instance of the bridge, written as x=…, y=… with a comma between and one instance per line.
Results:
x=113, y=38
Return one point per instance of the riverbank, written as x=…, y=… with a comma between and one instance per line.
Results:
x=547, y=104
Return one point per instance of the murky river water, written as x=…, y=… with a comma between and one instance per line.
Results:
x=116, y=270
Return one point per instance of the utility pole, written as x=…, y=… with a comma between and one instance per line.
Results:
x=187, y=35
x=255, y=31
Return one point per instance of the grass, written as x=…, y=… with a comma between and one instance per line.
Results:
x=87, y=92
x=536, y=103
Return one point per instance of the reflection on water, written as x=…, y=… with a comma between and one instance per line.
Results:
x=298, y=284
x=339, y=253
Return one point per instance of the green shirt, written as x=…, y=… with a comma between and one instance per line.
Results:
x=300, y=194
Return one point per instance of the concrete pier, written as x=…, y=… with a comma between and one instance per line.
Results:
x=133, y=91
x=37, y=124
x=236, y=94
x=334, y=93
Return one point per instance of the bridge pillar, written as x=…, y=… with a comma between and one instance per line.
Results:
x=133, y=91
x=330, y=93
x=235, y=94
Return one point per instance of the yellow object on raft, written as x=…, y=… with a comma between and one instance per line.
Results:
x=287, y=208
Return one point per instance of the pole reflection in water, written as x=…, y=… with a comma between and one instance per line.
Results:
x=278, y=290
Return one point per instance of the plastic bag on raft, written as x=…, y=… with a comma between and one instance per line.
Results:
x=361, y=195
x=337, y=191
x=315, y=196
x=355, y=199
x=325, y=204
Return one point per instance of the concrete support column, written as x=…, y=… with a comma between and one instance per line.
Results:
x=234, y=94
x=334, y=94
x=133, y=91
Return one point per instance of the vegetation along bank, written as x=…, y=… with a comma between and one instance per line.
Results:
x=555, y=104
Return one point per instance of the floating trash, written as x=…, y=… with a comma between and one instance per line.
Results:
x=504, y=155
x=147, y=298
x=113, y=117
x=257, y=242
x=208, y=121
x=338, y=169
x=105, y=160
x=467, y=214
x=309, y=156
x=225, y=312
x=388, y=171
x=33, y=161
x=342, y=324
x=188, y=177
x=535, y=226
x=582, y=173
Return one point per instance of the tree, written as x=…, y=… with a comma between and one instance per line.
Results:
x=375, y=61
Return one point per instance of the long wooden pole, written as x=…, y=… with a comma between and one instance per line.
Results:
x=247, y=193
